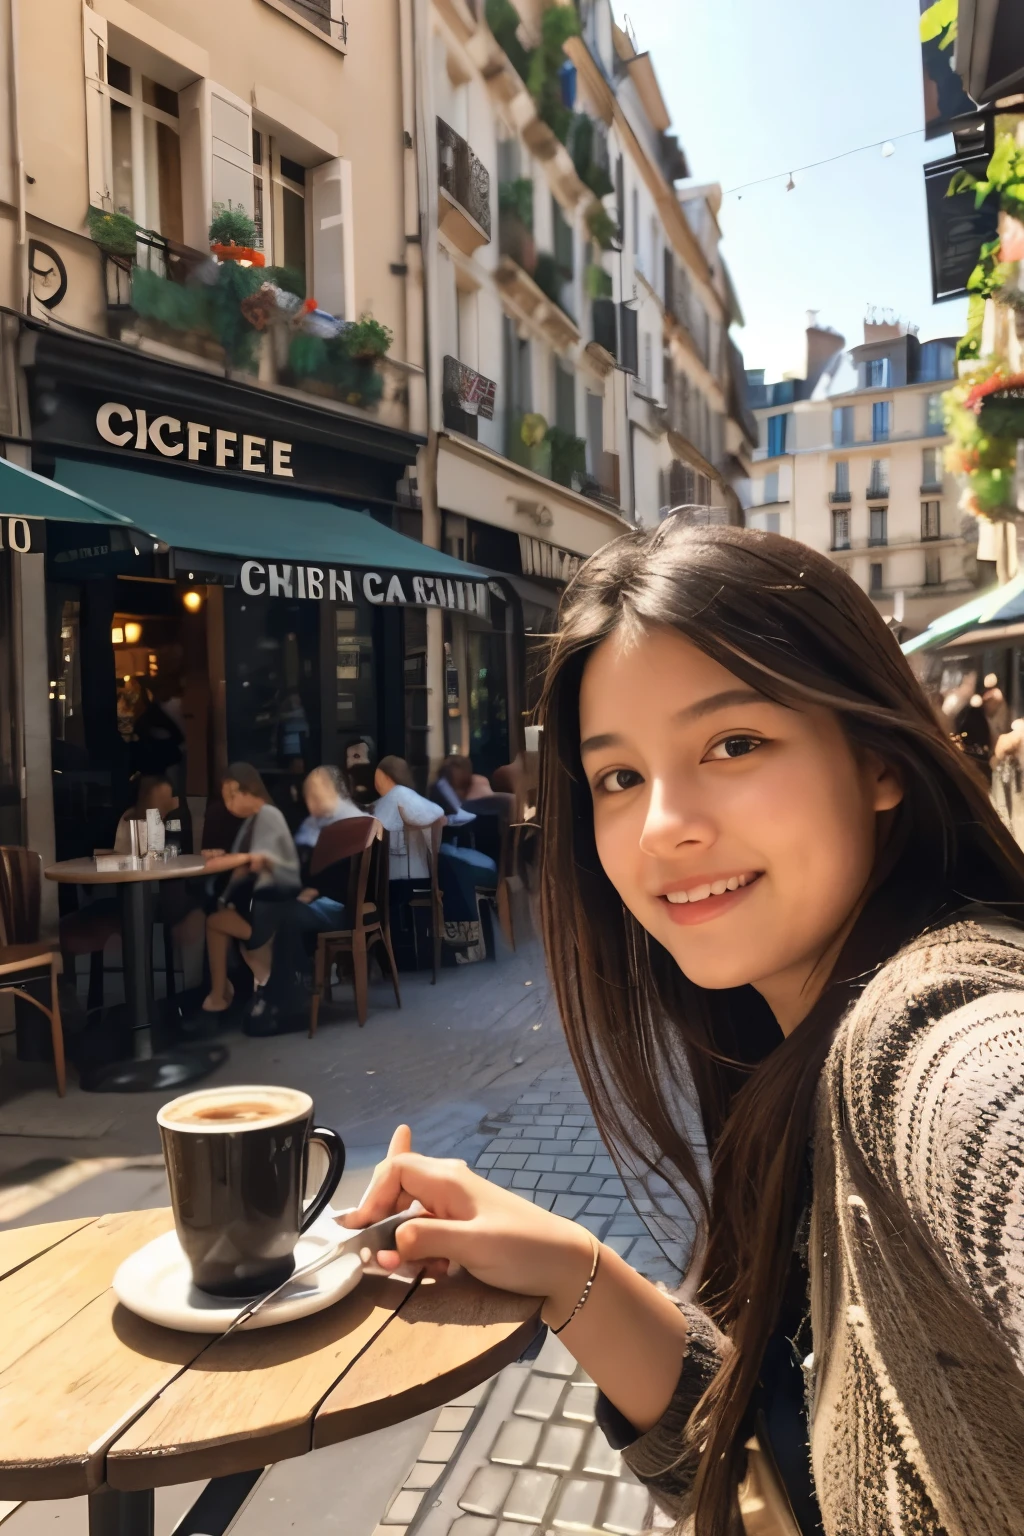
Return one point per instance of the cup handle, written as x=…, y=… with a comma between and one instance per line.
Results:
x=335, y=1149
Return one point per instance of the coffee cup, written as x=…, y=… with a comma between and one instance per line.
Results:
x=236, y=1164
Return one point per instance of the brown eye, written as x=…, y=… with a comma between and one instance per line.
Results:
x=618, y=779
x=734, y=746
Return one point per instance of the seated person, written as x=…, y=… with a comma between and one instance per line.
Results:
x=450, y=789
x=472, y=799
x=461, y=871
x=263, y=869
x=328, y=800
x=313, y=910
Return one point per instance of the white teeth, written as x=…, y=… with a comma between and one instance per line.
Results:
x=719, y=887
x=677, y=898
x=732, y=882
x=702, y=892
x=699, y=893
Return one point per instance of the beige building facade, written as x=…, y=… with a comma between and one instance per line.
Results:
x=850, y=462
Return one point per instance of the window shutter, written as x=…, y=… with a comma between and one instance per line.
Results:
x=97, y=116
x=216, y=151
x=329, y=188
x=628, y=359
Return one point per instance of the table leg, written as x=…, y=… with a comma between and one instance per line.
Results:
x=152, y=1067
x=113, y=1513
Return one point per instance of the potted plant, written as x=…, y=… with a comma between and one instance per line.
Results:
x=366, y=340
x=601, y=227
x=544, y=78
x=114, y=233
x=232, y=235
x=597, y=282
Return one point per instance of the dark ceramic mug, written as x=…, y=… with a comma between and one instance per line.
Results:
x=236, y=1164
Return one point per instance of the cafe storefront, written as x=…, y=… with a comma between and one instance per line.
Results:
x=254, y=576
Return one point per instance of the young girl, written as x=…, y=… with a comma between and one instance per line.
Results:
x=762, y=859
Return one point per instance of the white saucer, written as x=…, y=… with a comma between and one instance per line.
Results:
x=156, y=1283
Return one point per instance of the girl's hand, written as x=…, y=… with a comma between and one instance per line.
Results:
x=260, y=862
x=503, y=1240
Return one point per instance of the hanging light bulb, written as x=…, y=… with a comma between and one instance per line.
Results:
x=888, y=148
x=790, y=184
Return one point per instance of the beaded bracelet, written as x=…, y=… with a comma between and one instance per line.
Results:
x=586, y=1289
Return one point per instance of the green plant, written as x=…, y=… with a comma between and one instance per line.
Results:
x=582, y=139
x=601, y=227
x=115, y=233
x=230, y=326
x=503, y=20
x=969, y=345
x=940, y=20
x=290, y=279
x=517, y=197
x=986, y=459
x=548, y=277
x=366, y=339
x=1004, y=176
x=557, y=26
x=307, y=355
x=180, y=307
x=568, y=455
x=597, y=282
x=533, y=429
x=231, y=225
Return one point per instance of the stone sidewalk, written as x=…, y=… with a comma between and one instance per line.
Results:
x=522, y=1454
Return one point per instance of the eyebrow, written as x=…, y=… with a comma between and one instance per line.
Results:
x=696, y=711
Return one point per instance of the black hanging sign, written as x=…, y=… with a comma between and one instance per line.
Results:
x=956, y=228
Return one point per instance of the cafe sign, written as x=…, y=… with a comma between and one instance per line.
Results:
x=329, y=584
x=193, y=442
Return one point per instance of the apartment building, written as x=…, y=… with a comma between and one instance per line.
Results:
x=578, y=312
x=212, y=345
x=850, y=461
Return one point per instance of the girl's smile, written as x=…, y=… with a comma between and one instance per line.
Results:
x=701, y=901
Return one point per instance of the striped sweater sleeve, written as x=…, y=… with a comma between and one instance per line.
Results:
x=935, y=1098
x=659, y=1458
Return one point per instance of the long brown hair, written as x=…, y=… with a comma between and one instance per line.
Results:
x=643, y=1038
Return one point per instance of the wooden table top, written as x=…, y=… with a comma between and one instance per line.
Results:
x=84, y=871
x=90, y=1393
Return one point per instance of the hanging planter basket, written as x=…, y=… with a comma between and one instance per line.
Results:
x=241, y=253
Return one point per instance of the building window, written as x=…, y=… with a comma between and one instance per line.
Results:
x=931, y=467
x=637, y=259
x=880, y=417
x=771, y=487
x=878, y=525
x=843, y=477
x=145, y=150
x=937, y=361
x=777, y=434
x=932, y=570
x=930, y=519
x=878, y=484
x=279, y=199
x=934, y=422
x=565, y=398
x=875, y=580
x=877, y=373
x=842, y=426
x=840, y=529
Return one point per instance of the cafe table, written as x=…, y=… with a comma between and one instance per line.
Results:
x=153, y=1064
x=96, y=1401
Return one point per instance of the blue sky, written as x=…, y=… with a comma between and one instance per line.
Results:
x=759, y=86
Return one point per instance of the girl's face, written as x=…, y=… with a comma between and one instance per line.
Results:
x=740, y=833
x=320, y=795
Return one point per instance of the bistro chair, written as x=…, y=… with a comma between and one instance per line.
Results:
x=361, y=842
x=431, y=900
x=24, y=958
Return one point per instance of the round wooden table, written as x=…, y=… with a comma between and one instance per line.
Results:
x=96, y=1401
x=153, y=1065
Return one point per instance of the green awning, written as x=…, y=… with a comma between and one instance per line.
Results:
x=24, y=494
x=998, y=606
x=217, y=517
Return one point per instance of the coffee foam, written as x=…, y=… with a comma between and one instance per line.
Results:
x=258, y=1106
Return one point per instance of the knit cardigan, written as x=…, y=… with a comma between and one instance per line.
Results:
x=916, y=1258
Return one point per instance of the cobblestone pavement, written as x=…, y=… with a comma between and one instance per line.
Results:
x=522, y=1454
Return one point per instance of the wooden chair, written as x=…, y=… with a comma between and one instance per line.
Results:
x=23, y=957
x=362, y=841
x=432, y=901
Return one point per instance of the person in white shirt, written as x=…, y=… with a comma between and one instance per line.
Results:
x=327, y=800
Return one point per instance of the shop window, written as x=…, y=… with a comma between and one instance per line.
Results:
x=145, y=149
x=272, y=672
x=417, y=725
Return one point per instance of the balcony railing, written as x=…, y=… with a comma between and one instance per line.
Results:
x=465, y=396
x=840, y=498
x=931, y=487
x=604, y=485
x=877, y=491
x=465, y=179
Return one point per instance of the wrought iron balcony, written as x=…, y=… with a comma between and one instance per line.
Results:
x=465, y=183
x=878, y=491
x=840, y=498
x=931, y=487
x=465, y=396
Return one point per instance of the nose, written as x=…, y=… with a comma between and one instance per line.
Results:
x=674, y=820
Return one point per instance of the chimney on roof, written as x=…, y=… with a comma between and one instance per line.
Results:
x=884, y=325
x=822, y=345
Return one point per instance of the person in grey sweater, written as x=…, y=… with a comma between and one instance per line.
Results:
x=774, y=890
x=262, y=869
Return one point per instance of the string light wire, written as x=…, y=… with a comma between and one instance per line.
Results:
x=844, y=155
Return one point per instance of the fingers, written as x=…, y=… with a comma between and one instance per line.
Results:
x=440, y=1184
x=401, y=1142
